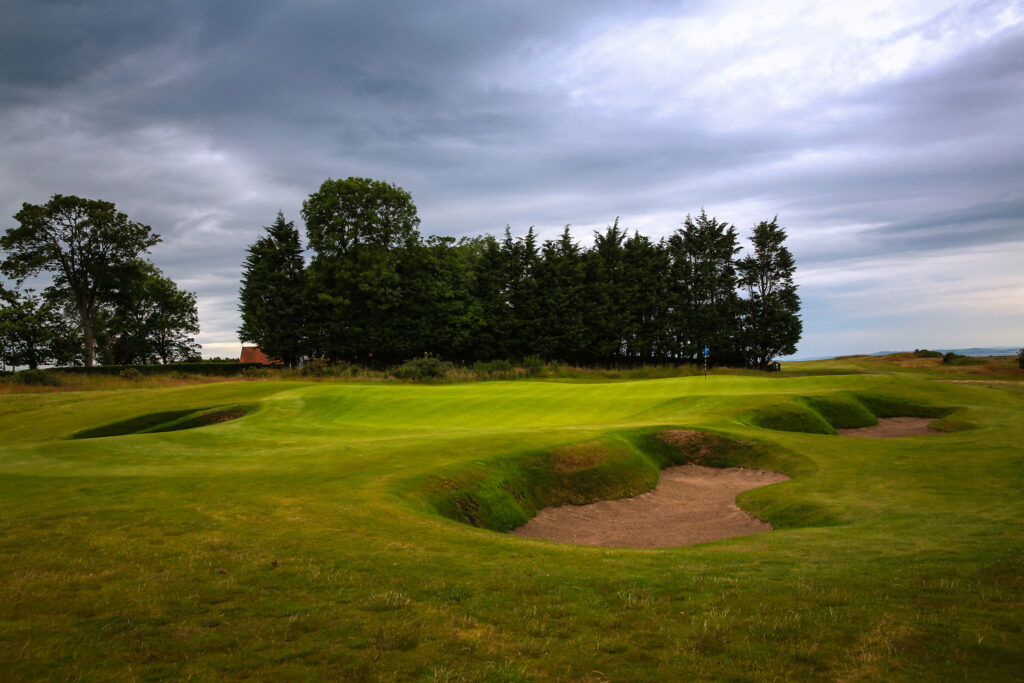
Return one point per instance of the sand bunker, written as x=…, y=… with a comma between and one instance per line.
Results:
x=893, y=427
x=691, y=504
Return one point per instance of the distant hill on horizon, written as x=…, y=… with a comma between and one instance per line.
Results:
x=972, y=351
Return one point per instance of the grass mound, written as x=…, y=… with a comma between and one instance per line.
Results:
x=791, y=417
x=166, y=421
x=504, y=495
x=842, y=411
x=824, y=414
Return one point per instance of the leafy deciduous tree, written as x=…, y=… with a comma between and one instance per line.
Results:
x=33, y=331
x=356, y=228
x=344, y=214
x=152, y=320
x=86, y=244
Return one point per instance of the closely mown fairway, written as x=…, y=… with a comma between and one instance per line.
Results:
x=299, y=540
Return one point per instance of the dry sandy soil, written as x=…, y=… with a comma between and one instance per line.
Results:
x=893, y=427
x=691, y=504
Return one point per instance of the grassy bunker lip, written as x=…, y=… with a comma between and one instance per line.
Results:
x=505, y=494
x=829, y=413
x=165, y=421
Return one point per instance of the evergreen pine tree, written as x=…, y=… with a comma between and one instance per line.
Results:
x=272, y=296
x=560, y=281
x=771, y=321
x=708, y=306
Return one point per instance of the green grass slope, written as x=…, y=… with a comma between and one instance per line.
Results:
x=317, y=536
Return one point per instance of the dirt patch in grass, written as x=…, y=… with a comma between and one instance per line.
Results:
x=691, y=504
x=216, y=417
x=204, y=419
x=577, y=457
x=893, y=428
x=697, y=445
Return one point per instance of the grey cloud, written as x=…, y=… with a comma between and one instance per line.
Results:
x=259, y=102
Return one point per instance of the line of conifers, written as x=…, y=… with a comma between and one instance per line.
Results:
x=375, y=292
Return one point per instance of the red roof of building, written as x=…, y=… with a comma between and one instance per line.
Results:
x=254, y=354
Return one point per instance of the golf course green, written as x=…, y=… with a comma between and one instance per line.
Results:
x=299, y=530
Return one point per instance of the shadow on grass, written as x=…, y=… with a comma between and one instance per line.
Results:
x=168, y=421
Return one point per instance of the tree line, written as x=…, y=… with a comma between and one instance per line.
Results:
x=105, y=300
x=375, y=292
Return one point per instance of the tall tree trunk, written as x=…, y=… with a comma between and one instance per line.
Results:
x=84, y=312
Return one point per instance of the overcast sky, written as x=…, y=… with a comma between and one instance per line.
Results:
x=888, y=137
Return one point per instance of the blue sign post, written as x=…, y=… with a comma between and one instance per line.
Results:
x=705, y=362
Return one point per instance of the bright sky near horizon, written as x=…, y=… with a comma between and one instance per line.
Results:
x=887, y=137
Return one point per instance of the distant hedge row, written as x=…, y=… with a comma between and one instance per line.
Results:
x=209, y=369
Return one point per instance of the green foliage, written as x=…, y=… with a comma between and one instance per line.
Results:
x=952, y=358
x=1020, y=359
x=88, y=247
x=706, y=303
x=125, y=310
x=37, y=378
x=499, y=366
x=771, y=321
x=345, y=214
x=198, y=369
x=378, y=293
x=424, y=368
x=131, y=374
x=150, y=320
x=925, y=353
x=534, y=365
x=34, y=331
x=560, y=276
x=273, y=298
x=321, y=367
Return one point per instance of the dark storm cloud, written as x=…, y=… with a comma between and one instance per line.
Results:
x=203, y=119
